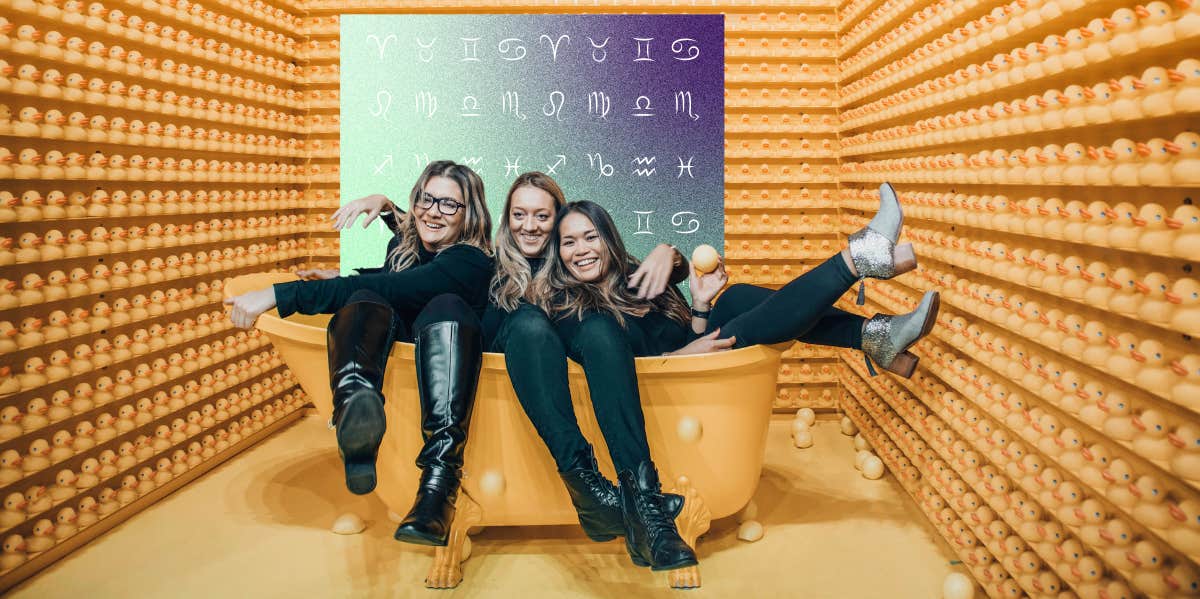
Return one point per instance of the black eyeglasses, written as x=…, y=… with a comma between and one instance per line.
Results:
x=447, y=206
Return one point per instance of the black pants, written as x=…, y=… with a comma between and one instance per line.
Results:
x=802, y=310
x=442, y=308
x=536, y=357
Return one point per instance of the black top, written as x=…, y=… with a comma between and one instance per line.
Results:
x=461, y=269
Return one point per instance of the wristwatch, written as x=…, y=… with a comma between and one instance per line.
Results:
x=698, y=314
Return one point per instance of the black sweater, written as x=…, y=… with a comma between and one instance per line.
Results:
x=463, y=270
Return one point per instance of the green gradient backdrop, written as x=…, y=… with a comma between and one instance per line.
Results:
x=386, y=140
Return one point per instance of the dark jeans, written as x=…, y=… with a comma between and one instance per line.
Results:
x=802, y=310
x=536, y=357
x=442, y=308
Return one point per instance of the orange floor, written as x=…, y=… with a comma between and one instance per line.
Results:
x=258, y=527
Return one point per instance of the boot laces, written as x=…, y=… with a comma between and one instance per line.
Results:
x=599, y=486
x=649, y=505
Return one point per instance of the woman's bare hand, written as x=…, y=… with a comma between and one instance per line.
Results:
x=654, y=274
x=370, y=205
x=706, y=345
x=247, y=306
x=706, y=286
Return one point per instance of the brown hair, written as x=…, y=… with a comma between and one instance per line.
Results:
x=477, y=224
x=511, y=281
x=558, y=292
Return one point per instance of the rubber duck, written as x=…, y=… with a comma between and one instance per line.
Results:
x=1155, y=307
x=1182, y=169
x=1185, y=294
x=1124, y=32
x=26, y=124
x=1151, y=509
x=60, y=406
x=13, y=552
x=1186, y=389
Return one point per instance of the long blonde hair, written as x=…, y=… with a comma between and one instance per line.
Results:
x=559, y=293
x=511, y=281
x=477, y=224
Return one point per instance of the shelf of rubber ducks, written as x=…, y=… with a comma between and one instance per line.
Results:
x=148, y=151
x=1048, y=163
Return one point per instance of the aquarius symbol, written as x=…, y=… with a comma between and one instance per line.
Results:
x=554, y=44
x=561, y=160
x=644, y=161
x=505, y=45
x=643, y=49
x=687, y=166
x=473, y=162
x=470, y=49
x=678, y=222
x=683, y=103
x=553, y=109
x=512, y=167
x=600, y=47
x=380, y=96
x=643, y=104
x=381, y=45
x=425, y=51
x=606, y=170
x=643, y=223
x=693, y=49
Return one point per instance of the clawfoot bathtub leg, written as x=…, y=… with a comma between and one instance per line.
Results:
x=692, y=521
x=446, y=571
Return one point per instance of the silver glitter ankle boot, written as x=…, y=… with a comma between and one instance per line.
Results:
x=886, y=338
x=873, y=248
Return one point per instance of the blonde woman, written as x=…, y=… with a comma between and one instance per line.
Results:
x=432, y=289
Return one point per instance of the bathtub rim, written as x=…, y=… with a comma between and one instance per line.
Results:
x=272, y=324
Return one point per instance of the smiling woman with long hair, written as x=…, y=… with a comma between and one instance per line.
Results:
x=604, y=327
x=431, y=291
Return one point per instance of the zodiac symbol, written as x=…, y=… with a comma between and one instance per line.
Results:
x=683, y=103
x=643, y=223
x=505, y=46
x=427, y=103
x=561, y=160
x=380, y=96
x=470, y=49
x=678, y=222
x=600, y=47
x=470, y=106
x=554, y=109
x=687, y=166
x=511, y=102
x=643, y=104
x=422, y=159
x=512, y=167
x=387, y=161
x=643, y=49
x=606, y=170
x=381, y=45
x=425, y=51
x=693, y=49
x=554, y=44
x=473, y=162
x=599, y=104
x=644, y=161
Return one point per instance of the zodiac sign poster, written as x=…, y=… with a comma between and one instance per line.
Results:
x=623, y=110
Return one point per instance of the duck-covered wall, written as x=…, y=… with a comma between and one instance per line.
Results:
x=1047, y=160
x=148, y=151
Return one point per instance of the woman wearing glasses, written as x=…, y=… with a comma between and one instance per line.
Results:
x=431, y=290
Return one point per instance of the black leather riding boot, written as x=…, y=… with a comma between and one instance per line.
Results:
x=597, y=500
x=650, y=534
x=448, y=357
x=359, y=338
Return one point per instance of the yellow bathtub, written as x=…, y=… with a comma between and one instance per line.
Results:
x=706, y=419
